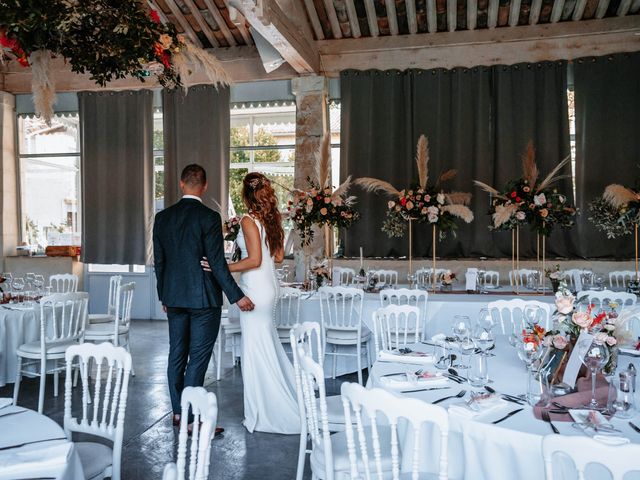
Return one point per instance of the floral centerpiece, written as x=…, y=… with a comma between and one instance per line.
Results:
x=617, y=211
x=321, y=272
x=421, y=202
x=321, y=205
x=555, y=275
x=525, y=201
x=448, y=277
x=109, y=39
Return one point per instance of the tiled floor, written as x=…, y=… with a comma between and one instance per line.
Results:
x=149, y=439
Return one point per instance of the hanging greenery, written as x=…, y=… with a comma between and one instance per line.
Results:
x=108, y=39
x=617, y=211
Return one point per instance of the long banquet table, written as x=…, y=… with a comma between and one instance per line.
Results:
x=478, y=449
x=18, y=325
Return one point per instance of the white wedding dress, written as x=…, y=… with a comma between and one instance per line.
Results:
x=270, y=403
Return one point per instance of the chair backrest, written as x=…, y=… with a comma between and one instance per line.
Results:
x=104, y=416
x=407, y=296
x=343, y=276
x=123, y=306
x=389, y=277
x=315, y=409
x=287, y=307
x=585, y=451
x=341, y=308
x=424, y=276
x=395, y=326
x=621, y=278
x=569, y=275
x=360, y=402
x=63, y=317
x=114, y=284
x=599, y=297
x=63, y=283
x=510, y=313
x=521, y=275
x=492, y=277
x=204, y=407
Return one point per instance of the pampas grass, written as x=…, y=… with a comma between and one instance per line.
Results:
x=458, y=198
x=422, y=160
x=342, y=189
x=488, y=188
x=375, y=185
x=42, y=84
x=503, y=214
x=618, y=196
x=191, y=56
x=553, y=175
x=446, y=176
x=529, y=168
x=460, y=211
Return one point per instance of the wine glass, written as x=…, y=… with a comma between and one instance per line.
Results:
x=486, y=320
x=18, y=285
x=38, y=283
x=533, y=315
x=460, y=326
x=528, y=352
x=594, y=358
x=29, y=278
x=484, y=339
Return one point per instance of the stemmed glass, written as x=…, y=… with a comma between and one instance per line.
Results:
x=594, y=358
x=18, y=285
x=528, y=352
x=38, y=283
x=533, y=315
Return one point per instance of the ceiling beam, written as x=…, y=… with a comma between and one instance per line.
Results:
x=492, y=14
x=432, y=16
x=623, y=8
x=556, y=11
x=534, y=13
x=392, y=16
x=452, y=15
x=602, y=8
x=514, y=13
x=222, y=23
x=530, y=43
x=289, y=33
x=315, y=21
x=372, y=18
x=243, y=64
x=353, y=19
x=578, y=10
x=330, y=8
x=204, y=26
x=182, y=20
x=412, y=19
x=472, y=14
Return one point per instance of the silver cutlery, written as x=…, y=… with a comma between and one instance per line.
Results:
x=460, y=394
x=508, y=415
x=30, y=443
x=392, y=374
x=505, y=396
x=452, y=378
x=634, y=426
x=425, y=389
x=547, y=418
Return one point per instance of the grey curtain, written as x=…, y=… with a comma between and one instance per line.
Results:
x=196, y=130
x=530, y=103
x=607, y=102
x=117, y=176
x=478, y=121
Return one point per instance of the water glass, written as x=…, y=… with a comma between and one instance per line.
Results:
x=442, y=355
x=621, y=402
x=478, y=372
x=18, y=285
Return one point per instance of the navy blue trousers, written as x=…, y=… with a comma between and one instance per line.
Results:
x=192, y=333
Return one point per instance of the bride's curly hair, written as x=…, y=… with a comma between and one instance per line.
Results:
x=261, y=201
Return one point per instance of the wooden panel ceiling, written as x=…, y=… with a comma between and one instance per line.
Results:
x=333, y=19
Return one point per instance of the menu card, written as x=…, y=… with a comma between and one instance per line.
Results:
x=574, y=363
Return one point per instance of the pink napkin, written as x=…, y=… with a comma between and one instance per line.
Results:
x=576, y=400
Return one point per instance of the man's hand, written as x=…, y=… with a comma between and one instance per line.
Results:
x=204, y=263
x=245, y=304
x=164, y=308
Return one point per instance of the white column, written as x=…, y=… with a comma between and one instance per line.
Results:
x=8, y=176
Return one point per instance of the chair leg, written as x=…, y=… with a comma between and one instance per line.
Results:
x=302, y=452
x=16, y=386
x=43, y=378
x=368, y=352
x=219, y=349
x=359, y=354
x=335, y=361
x=56, y=378
x=133, y=373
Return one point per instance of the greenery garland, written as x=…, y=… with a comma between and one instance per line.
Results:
x=617, y=211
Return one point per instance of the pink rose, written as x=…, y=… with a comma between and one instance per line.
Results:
x=520, y=215
x=409, y=205
x=327, y=199
x=600, y=338
x=323, y=211
x=564, y=304
x=547, y=341
x=611, y=341
x=391, y=204
x=560, y=342
x=582, y=319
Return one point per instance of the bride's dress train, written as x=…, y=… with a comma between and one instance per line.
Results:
x=270, y=403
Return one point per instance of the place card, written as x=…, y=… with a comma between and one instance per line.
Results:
x=574, y=363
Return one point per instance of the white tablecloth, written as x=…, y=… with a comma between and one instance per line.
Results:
x=479, y=450
x=16, y=327
x=29, y=426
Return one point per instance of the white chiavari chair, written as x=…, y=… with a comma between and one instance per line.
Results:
x=204, y=407
x=103, y=415
x=342, y=326
x=492, y=278
x=521, y=276
x=63, y=283
x=602, y=297
x=621, y=278
x=116, y=332
x=510, y=313
x=114, y=286
x=407, y=296
x=424, y=276
x=569, y=276
x=343, y=276
x=287, y=312
x=63, y=319
x=389, y=277
x=585, y=452
x=373, y=449
x=396, y=326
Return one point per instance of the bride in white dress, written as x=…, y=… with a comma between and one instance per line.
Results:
x=270, y=403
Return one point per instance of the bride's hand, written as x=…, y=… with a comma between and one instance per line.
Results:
x=204, y=263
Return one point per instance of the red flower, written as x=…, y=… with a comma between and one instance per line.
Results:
x=158, y=50
x=518, y=199
x=24, y=61
x=403, y=201
x=318, y=197
x=154, y=16
x=166, y=60
x=513, y=194
x=599, y=318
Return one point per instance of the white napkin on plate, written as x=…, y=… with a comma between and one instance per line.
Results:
x=413, y=357
x=482, y=405
x=32, y=458
x=410, y=382
x=5, y=402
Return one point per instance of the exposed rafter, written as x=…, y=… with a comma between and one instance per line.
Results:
x=514, y=13
x=472, y=14
x=289, y=33
x=556, y=11
x=492, y=14
x=412, y=20
x=315, y=21
x=534, y=13
x=333, y=18
x=353, y=18
x=182, y=20
x=623, y=8
x=204, y=26
x=392, y=17
x=432, y=16
x=452, y=15
x=602, y=8
x=578, y=11
x=372, y=18
x=222, y=24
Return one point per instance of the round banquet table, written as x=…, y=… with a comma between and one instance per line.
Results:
x=34, y=446
x=478, y=449
x=18, y=325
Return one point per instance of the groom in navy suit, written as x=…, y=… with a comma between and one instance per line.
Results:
x=192, y=298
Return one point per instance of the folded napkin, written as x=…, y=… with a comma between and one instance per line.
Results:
x=5, y=402
x=480, y=405
x=471, y=278
x=629, y=350
x=411, y=381
x=33, y=458
x=576, y=400
x=412, y=357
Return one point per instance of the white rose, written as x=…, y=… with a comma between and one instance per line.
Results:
x=540, y=200
x=600, y=338
x=440, y=198
x=520, y=215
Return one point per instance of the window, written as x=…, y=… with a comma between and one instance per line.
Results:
x=571, y=106
x=334, y=128
x=158, y=159
x=262, y=140
x=49, y=168
x=115, y=268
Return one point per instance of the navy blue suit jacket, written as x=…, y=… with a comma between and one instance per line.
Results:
x=182, y=235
